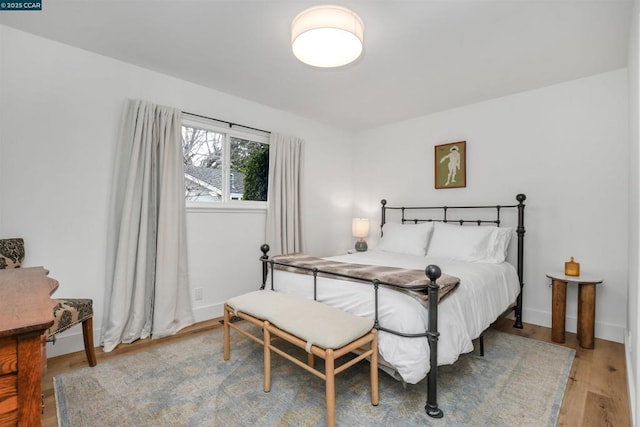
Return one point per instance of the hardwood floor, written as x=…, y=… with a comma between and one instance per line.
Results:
x=596, y=393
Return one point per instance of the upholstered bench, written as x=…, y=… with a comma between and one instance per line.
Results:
x=321, y=330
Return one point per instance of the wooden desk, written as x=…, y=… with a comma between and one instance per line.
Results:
x=586, y=307
x=27, y=312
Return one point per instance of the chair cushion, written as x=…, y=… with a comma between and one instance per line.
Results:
x=312, y=321
x=70, y=312
x=11, y=253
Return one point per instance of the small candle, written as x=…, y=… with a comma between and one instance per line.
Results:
x=571, y=268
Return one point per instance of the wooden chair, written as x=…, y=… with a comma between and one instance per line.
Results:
x=67, y=313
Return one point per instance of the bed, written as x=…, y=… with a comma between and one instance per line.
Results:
x=469, y=243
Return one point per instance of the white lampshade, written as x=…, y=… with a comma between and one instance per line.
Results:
x=327, y=36
x=360, y=227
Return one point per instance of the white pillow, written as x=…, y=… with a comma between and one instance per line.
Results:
x=502, y=238
x=465, y=243
x=409, y=239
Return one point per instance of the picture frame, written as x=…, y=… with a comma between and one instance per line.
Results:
x=450, y=168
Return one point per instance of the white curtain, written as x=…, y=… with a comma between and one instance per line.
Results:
x=284, y=228
x=147, y=292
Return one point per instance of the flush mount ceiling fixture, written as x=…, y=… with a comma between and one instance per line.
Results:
x=327, y=36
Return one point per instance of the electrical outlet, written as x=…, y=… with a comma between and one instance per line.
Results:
x=197, y=294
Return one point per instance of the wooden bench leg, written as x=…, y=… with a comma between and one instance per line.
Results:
x=87, y=335
x=310, y=360
x=374, y=369
x=329, y=364
x=227, y=335
x=267, y=357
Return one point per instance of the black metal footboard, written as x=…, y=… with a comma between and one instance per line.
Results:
x=433, y=272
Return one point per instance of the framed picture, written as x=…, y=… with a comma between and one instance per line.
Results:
x=451, y=165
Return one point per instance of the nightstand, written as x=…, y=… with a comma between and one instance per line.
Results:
x=586, y=306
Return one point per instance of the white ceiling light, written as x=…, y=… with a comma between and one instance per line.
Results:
x=327, y=36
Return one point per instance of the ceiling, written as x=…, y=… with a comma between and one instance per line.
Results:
x=420, y=56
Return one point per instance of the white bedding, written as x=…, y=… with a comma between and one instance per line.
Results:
x=486, y=290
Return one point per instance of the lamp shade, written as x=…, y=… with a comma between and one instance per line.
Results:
x=327, y=36
x=360, y=227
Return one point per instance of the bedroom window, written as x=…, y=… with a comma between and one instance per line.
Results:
x=224, y=166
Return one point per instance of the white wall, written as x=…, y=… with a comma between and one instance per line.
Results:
x=564, y=146
x=61, y=110
x=632, y=342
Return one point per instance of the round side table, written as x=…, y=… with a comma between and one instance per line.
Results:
x=586, y=306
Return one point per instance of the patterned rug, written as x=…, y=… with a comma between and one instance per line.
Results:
x=519, y=382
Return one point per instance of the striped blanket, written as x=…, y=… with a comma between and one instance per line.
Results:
x=409, y=281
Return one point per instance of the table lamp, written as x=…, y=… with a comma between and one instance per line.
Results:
x=360, y=229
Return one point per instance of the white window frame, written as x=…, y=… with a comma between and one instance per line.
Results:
x=226, y=204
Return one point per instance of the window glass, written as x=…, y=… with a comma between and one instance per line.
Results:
x=249, y=170
x=223, y=166
x=202, y=150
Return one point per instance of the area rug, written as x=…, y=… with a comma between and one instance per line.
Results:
x=518, y=382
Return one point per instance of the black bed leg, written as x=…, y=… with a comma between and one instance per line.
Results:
x=432, y=409
x=518, y=312
x=265, y=268
x=518, y=323
x=481, y=345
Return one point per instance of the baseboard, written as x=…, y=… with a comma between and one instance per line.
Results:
x=212, y=311
x=631, y=386
x=71, y=341
x=606, y=331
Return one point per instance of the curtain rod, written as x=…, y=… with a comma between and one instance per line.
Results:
x=231, y=124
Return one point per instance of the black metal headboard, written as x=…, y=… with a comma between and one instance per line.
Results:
x=454, y=214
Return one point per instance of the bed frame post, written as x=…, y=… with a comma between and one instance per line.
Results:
x=433, y=272
x=520, y=231
x=383, y=218
x=265, y=268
